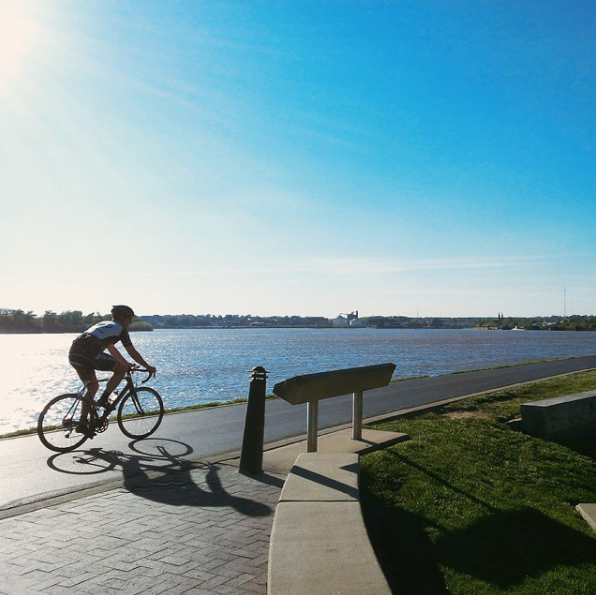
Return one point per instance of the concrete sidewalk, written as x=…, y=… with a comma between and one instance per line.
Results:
x=193, y=527
x=202, y=529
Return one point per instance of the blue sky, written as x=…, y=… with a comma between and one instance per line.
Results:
x=415, y=157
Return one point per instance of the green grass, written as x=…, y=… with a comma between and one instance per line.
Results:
x=469, y=506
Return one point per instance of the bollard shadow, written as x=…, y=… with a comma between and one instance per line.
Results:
x=268, y=479
x=157, y=471
x=180, y=484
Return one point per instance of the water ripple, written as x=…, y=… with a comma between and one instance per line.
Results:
x=202, y=366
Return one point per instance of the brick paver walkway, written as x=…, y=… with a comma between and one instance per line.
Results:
x=205, y=530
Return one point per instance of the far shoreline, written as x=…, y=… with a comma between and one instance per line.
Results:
x=315, y=328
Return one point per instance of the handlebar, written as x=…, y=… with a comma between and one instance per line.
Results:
x=135, y=368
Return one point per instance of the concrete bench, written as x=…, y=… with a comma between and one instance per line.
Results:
x=560, y=416
x=319, y=543
x=312, y=388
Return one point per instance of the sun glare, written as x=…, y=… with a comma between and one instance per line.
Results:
x=18, y=30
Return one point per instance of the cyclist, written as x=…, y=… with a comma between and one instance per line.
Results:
x=87, y=355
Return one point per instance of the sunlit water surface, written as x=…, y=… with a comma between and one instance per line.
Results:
x=200, y=366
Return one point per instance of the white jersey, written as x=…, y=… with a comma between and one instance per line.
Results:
x=102, y=334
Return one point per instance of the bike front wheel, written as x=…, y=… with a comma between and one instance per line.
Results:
x=56, y=426
x=140, y=413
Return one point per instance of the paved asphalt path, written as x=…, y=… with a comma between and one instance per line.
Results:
x=30, y=473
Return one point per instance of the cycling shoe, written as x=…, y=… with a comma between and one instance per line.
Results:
x=83, y=428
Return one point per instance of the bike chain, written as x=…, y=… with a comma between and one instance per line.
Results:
x=101, y=424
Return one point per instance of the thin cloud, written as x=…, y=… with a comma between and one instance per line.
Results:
x=377, y=265
x=364, y=266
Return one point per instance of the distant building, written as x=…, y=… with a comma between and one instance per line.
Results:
x=340, y=321
x=344, y=320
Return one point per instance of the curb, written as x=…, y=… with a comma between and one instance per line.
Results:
x=40, y=501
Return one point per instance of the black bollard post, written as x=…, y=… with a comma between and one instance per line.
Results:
x=251, y=458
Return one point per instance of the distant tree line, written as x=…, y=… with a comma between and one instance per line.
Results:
x=72, y=321
x=553, y=323
x=182, y=321
x=405, y=322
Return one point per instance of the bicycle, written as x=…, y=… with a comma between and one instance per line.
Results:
x=139, y=413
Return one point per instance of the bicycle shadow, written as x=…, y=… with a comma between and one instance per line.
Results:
x=86, y=462
x=169, y=479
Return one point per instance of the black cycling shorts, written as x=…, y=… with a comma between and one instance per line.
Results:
x=85, y=361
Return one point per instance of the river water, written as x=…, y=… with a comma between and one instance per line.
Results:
x=200, y=366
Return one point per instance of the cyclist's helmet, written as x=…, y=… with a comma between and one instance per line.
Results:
x=119, y=312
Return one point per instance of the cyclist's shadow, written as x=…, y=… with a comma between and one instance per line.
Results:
x=179, y=483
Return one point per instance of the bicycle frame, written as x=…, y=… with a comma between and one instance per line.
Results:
x=129, y=388
x=139, y=411
x=129, y=385
x=83, y=392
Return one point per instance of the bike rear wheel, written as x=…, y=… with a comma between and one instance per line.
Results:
x=56, y=426
x=140, y=413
